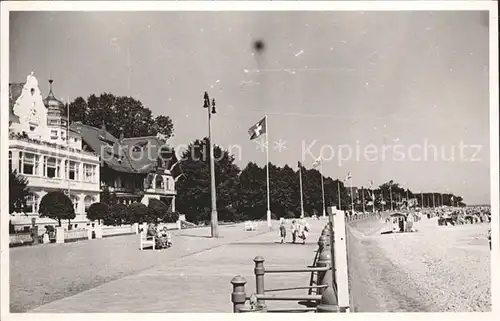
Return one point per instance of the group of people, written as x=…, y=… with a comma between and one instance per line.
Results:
x=300, y=230
x=163, y=239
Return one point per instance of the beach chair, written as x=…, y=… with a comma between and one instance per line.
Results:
x=147, y=241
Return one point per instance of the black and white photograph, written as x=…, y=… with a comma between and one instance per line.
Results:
x=249, y=157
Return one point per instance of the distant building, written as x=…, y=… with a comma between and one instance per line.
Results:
x=44, y=150
x=134, y=169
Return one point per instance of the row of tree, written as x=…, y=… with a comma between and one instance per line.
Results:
x=241, y=194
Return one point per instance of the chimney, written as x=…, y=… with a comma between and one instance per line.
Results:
x=103, y=126
x=121, y=135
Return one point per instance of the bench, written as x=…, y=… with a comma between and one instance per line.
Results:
x=147, y=241
x=249, y=226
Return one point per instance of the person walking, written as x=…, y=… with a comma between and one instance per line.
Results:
x=282, y=231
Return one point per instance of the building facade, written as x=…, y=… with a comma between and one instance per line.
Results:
x=45, y=150
x=133, y=169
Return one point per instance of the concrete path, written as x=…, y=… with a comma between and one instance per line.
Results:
x=193, y=276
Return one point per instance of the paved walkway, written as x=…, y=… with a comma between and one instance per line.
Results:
x=193, y=276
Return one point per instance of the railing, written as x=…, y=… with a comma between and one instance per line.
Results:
x=75, y=234
x=323, y=280
x=118, y=230
x=19, y=238
x=19, y=137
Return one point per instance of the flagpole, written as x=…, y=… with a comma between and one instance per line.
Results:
x=422, y=197
x=338, y=192
x=390, y=195
x=301, y=196
x=363, y=198
x=382, y=196
x=323, y=187
x=269, y=224
x=352, y=196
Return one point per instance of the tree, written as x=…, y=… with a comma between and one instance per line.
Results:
x=193, y=192
x=170, y=217
x=163, y=125
x=118, y=113
x=18, y=191
x=106, y=196
x=139, y=213
x=98, y=211
x=158, y=209
x=57, y=205
x=252, y=201
x=117, y=215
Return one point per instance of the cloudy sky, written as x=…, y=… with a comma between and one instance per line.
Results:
x=393, y=81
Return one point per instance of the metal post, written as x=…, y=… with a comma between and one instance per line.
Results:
x=238, y=297
x=214, y=226
x=324, y=278
x=328, y=301
x=259, y=277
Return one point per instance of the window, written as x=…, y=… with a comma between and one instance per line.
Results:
x=32, y=91
x=88, y=200
x=73, y=170
x=53, y=134
x=28, y=163
x=32, y=128
x=10, y=160
x=31, y=204
x=51, y=165
x=89, y=173
x=63, y=135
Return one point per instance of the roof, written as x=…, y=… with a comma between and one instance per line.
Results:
x=15, y=91
x=146, y=150
x=131, y=155
x=53, y=104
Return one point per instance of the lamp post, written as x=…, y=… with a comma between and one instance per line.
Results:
x=214, y=225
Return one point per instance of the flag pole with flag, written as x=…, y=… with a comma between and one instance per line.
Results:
x=319, y=162
x=372, y=194
x=301, y=195
x=257, y=130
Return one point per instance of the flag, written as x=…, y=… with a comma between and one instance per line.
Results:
x=258, y=129
x=347, y=177
x=299, y=164
x=317, y=162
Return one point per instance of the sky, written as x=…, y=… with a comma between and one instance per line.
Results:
x=368, y=82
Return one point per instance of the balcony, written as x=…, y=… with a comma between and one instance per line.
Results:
x=59, y=183
x=161, y=191
x=128, y=190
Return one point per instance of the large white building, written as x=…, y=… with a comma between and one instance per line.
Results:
x=49, y=154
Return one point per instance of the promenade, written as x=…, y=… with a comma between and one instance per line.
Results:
x=112, y=275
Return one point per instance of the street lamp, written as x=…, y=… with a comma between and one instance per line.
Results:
x=214, y=225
